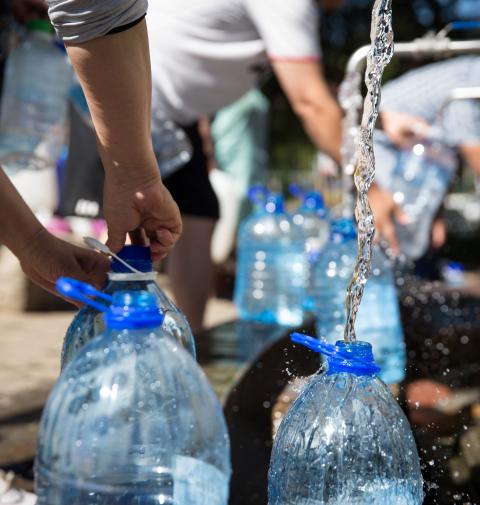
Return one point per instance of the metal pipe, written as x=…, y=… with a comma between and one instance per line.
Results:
x=424, y=47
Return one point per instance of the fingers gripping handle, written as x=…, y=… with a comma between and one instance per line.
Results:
x=81, y=292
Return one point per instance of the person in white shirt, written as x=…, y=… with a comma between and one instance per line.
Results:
x=205, y=54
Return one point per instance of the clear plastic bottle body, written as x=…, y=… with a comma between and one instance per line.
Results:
x=133, y=420
x=316, y=232
x=331, y=276
x=345, y=441
x=270, y=279
x=378, y=318
x=34, y=104
x=379, y=322
x=88, y=322
x=419, y=184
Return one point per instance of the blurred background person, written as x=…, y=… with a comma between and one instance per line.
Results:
x=206, y=55
x=416, y=107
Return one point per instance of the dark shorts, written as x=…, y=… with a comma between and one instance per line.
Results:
x=190, y=185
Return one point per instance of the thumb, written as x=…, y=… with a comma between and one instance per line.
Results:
x=116, y=239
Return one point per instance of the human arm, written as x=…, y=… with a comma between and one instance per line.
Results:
x=312, y=102
x=402, y=128
x=42, y=256
x=114, y=71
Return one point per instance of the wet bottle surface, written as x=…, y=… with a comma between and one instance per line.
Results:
x=133, y=420
x=345, y=441
x=89, y=322
x=270, y=278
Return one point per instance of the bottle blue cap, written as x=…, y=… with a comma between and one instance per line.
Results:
x=344, y=229
x=355, y=357
x=133, y=310
x=138, y=257
x=274, y=204
x=313, y=200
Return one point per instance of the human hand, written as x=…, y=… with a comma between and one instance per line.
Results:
x=384, y=210
x=144, y=209
x=26, y=10
x=46, y=258
x=402, y=129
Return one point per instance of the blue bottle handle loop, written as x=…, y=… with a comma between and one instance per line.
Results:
x=465, y=25
x=82, y=292
x=340, y=360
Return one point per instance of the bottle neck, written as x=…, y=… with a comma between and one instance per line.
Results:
x=132, y=277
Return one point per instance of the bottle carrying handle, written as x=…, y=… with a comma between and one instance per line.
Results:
x=82, y=292
x=465, y=25
x=332, y=351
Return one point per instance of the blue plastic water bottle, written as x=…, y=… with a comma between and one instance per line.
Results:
x=331, y=276
x=270, y=279
x=379, y=322
x=89, y=322
x=311, y=217
x=132, y=419
x=378, y=319
x=345, y=440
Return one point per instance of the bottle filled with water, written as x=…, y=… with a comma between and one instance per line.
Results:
x=378, y=319
x=132, y=419
x=345, y=440
x=270, y=279
x=379, y=322
x=89, y=322
x=34, y=101
x=311, y=216
x=419, y=183
x=330, y=277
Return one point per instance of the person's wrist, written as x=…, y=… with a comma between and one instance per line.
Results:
x=133, y=173
x=27, y=246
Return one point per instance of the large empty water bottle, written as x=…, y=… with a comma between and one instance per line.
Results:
x=270, y=279
x=419, y=184
x=34, y=101
x=89, y=322
x=330, y=278
x=345, y=440
x=311, y=217
x=132, y=419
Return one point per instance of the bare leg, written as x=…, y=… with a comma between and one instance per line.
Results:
x=190, y=269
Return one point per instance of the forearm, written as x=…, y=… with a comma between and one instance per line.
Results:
x=323, y=123
x=18, y=224
x=310, y=98
x=114, y=71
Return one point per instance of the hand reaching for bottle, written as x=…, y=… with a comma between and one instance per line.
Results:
x=384, y=210
x=46, y=258
x=402, y=129
x=143, y=208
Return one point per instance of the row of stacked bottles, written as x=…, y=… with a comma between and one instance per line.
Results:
x=133, y=420
x=290, y=265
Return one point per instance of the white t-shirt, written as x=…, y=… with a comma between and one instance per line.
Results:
x=206, y=54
